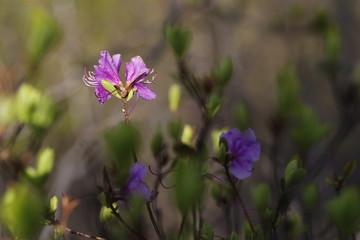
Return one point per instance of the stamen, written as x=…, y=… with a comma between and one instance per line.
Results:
x=89, y=79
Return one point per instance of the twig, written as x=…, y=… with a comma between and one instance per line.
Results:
x=240, y=200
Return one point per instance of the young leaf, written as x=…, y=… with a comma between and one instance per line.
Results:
x=179, y=39
x=213, y=105
x=293, y=173
x=223, y=72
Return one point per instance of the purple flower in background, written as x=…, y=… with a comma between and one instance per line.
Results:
x=106, y=79
x=135, y=185
x=244, y=150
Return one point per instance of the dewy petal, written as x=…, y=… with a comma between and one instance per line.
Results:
x=136, y=70
x=108, y=68
x=145, y=92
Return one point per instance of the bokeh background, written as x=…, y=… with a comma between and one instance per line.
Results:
x=261, y=37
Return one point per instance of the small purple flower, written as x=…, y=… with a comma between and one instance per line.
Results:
x=135, y=185
x=244, y=150
x=136, y=72
x=108, y=70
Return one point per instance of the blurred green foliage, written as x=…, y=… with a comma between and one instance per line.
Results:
x=7, y=111
x=223, y=72
x=122, y=142
x=22, y=210
x=179, y=39
x=332, y=44
x=34, y=108
x=261, y=197
x=44, y=166
x=188, y=184
x=344, y=210
x=310, y=195
x=307, y=130
x=157, y=142
x=174, y=128
x=287, y=93
x=242, y=119
x=43, y=34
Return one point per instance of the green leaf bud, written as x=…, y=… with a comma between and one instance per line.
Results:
x=223, y=72
x=179, y=39
x=174, y=97
x=33, y=108
x=213, y=105
x=53, y=204
x=45, y=161
x=187, y=135
x=293, y=172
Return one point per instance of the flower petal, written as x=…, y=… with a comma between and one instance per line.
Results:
x=240, y=170
x=145, y=92
x=135, y=185
x=244, y=150
x=108, y=68
x=231, y=137
x=102, y=94
x=136, y=70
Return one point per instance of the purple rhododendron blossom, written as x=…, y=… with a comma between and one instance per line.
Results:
x=135, y=185
x=244, y=150
x=108, y=69
x=136, y=72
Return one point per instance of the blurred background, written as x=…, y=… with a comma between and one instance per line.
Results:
x=261, y=38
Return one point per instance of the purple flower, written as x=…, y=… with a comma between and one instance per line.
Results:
x=135, y=185
x=136, y=72
x=108, y=70
x=244, y=150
